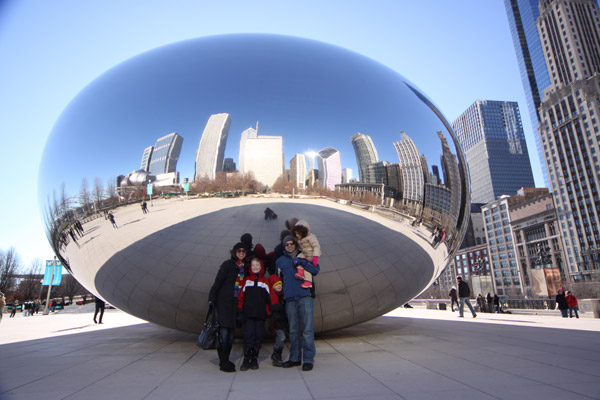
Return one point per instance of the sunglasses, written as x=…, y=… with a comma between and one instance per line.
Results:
x=290, y=243
x=240, y=250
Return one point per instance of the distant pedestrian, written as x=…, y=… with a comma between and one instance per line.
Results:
x=490, y=302
x=481, y=302
x=13, y=310
x=464, y=293
x=2, y=304
x=573, y=307
x=268, y=213
x=561, y=303
x=112, y=220
x=145, y=207
x=453, y=298
x=100, y=305
x=497, y=307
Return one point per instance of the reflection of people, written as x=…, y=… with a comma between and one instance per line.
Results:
x=223, y=297
x=453, y=298
x=464, y=293
x=573, y=307
x=268, y=213
x=253, y=302
x=309, y=249
x=100, y=305
x=112, y=220
x=278, y=318
x=299, y=307
x=561, y=303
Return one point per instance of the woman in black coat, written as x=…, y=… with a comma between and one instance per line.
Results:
x=223, y=295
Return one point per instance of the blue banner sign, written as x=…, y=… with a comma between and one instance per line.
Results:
x=149, y=189
x=48, y=273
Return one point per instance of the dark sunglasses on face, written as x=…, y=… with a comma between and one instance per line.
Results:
x=290, y=243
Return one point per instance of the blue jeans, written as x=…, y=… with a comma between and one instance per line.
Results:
x=226, y=337
x=302, y=348
x=563, y=312
x=279, y=339
x=461, y=308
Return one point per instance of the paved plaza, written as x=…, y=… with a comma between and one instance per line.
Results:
x=408, y=354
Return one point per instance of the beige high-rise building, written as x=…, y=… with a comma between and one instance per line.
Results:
x=569, y=129
x=261, y=155
x=298, y=171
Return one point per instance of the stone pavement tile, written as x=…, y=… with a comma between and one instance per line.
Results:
x=591, y=389
x=463, y=394
x=508, y=391
x=335, y=376
x=269, y=382
x=551, y=375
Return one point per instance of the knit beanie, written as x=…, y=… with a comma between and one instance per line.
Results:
x=274, y=279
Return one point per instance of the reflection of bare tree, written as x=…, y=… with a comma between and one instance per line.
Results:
x=283, y=185
x=226, y=182
x=9, y=264
x=84, y=196
x=98, y=192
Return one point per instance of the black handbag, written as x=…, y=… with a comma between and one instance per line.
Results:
x=210, y=337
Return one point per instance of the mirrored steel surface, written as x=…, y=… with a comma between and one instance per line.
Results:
x=309, y=97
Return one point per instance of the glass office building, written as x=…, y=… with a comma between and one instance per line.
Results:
x=166, y=154
x=492, y=138
x=522, y=17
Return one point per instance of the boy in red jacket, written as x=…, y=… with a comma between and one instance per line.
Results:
x=278, y=318
x=572, y=300
x=253, y=308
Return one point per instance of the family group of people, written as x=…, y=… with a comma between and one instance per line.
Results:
x=567, y=303
x=243, y=295
x=489, y=304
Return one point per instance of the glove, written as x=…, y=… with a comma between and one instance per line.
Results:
x=315, y=260
x=296, y=261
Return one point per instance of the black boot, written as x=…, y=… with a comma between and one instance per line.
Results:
x=254, y=359
x=247, y=359
x=224, y=364
x=276, y=357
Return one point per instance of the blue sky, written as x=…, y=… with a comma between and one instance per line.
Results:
x=455, y=51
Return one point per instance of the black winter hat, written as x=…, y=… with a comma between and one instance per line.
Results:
x=239, y=245
x=246, y=239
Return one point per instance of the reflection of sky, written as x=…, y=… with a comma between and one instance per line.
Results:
x=313, y=94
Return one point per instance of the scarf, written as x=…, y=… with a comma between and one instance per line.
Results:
x=240, y=278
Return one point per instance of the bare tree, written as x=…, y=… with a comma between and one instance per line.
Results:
x=98, y=192
x=29, y=286
x=9, y=265
x=282, y=185
x=71, y=287
x=84, y=196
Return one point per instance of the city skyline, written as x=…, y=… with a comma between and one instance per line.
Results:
x=462, y=81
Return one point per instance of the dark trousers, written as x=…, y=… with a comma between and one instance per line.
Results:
x=101, y=309
x=254, y=332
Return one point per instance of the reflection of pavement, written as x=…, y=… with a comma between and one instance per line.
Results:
x=421, y=354
x=133, y=226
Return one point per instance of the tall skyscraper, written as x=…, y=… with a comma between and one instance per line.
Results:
x=451, y=176
x=210, y=153
x=166, y=154
x=522, y=17
x=346, y=175
x=366, y=154
x=569, y=127
x=330, y=167
x=146, y=157
x=492, y=138
x=298, y=171
x=261, y=155
x=413, y=182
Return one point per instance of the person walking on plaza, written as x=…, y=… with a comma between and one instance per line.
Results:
x=100, y=306
x=490, y=302
x=572, y=301
x=112, y=220
x=453, y=298
x=223, y=298
x=299, y=307
x=13, y=310
x=2, y=304
x=464, y=293
x=561, y=303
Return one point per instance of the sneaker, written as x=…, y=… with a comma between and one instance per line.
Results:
x=474, y=315
x=306, y=285
x=290, y=364
x=307, y=367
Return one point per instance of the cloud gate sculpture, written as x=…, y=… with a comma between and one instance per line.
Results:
x=209, y=133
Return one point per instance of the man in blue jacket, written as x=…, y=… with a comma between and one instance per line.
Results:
x=299, y=306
